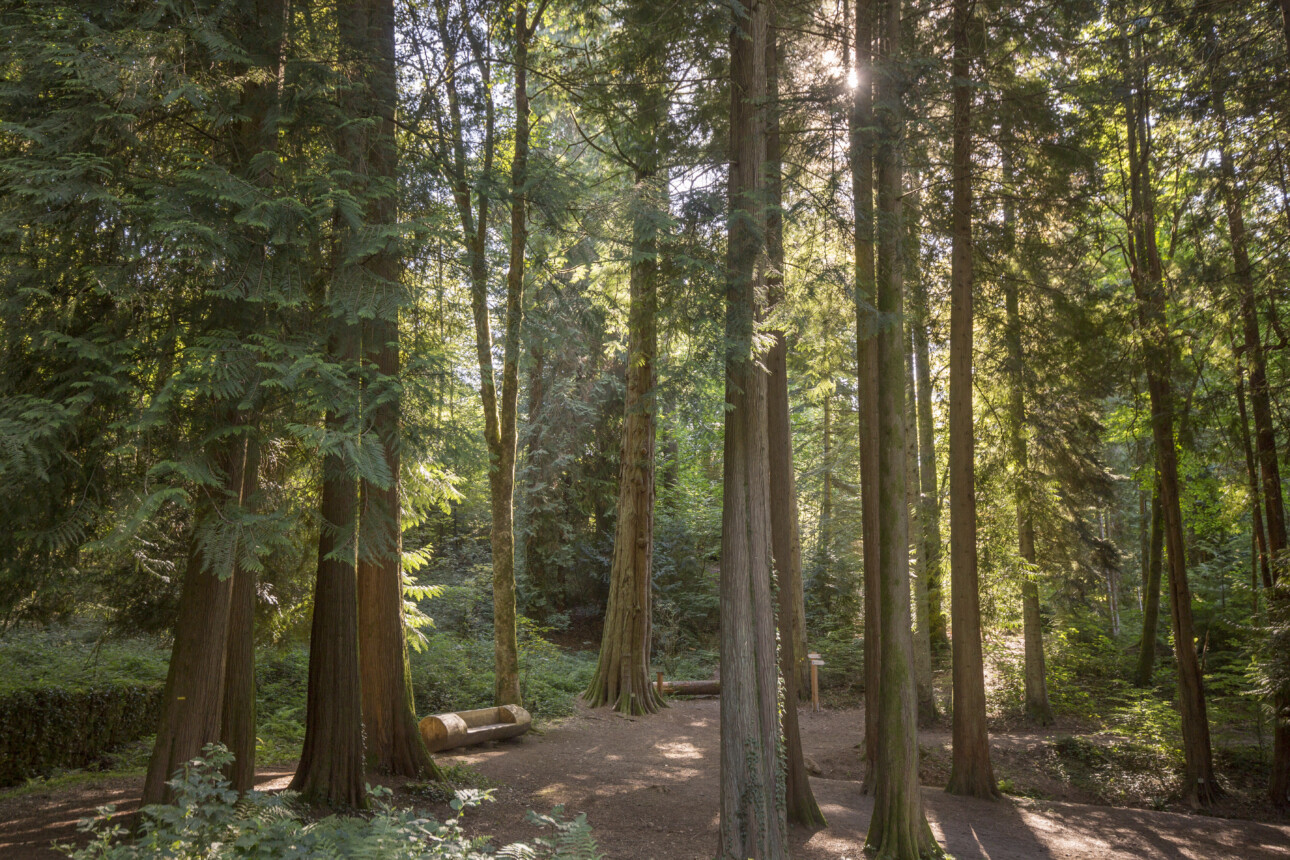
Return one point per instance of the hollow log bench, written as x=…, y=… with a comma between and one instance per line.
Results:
x=449, y=731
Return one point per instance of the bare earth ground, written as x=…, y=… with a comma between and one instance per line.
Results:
x=648, y=786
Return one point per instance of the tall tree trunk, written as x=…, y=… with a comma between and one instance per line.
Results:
x=898, y=827
x=506, y=687
x=394, y=743
x=971, y=771
x=237, y=719
x=860, y=126
x=330, y=772
x=786, y=544
x=1151, y=599
x=499, y=425
x=924, y=693
x=1264, y=431
x=192, y=701
x=210, y=685
x=622, y=675
x=753, y=820
x=1199, y=787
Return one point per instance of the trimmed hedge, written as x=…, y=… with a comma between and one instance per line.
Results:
x=45, y=728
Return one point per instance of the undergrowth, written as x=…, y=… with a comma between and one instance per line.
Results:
x=208, y=820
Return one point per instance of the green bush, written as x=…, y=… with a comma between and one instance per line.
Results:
x=45, y=728
x=77, y=658
x=208, y=820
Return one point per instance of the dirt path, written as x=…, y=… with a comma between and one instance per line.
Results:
x=649, y=788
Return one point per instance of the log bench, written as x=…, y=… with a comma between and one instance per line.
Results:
x=466, y=728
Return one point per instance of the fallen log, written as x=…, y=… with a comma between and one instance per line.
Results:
x=466, y=728
x=691, y=688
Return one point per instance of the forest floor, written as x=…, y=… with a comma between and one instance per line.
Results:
x=648, y=786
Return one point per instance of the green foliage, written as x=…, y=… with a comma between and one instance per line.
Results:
x=455, y=673
x=1115, y=771
x=209, y=820
x=77, y=658
x=455, y=778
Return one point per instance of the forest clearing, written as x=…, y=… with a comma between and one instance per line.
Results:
x=405, y=404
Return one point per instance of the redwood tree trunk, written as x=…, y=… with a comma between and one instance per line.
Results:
x=394, y=742
x=860, y=123
x=331, y=762
x=898, y=827
x=971, y=771
x=786, y=544
x=210, y=685
x=237, y=722
x=622, y=674
x=753, y=822
x=192, y=701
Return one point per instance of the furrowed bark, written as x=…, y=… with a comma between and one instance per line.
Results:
x=753, y=823
x=330, y=772
x=394, y=743
x=622, y=674
x=898, y=828
x=971, y=771
x=786, y=544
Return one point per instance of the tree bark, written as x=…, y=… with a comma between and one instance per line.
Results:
x=210, y=685
x=237, y=721
x=473, y=210
x=1262, y=571
x=330, y=772
x=971, y=771
x=192, y=702
x=860, y=127
x=394, y=743
x=924, y=692
x=786, y=544
x=753, y=821
x=1199, y=787
x=898, y=827
x=622, y=674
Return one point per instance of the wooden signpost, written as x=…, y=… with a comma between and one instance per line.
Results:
x=816, y=663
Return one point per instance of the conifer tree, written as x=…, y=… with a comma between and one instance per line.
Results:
x=971, y=772
x=752, y=807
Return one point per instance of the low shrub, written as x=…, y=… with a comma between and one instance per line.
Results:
x=208, y=820
x=46, y=728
